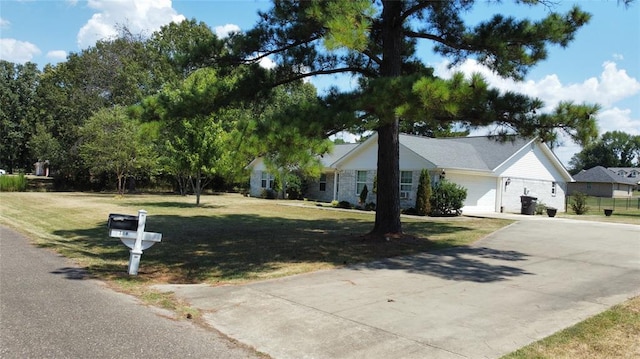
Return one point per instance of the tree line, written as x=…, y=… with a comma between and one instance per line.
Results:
x=187, y=105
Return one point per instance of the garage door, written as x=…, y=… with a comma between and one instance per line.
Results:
x=481, y=192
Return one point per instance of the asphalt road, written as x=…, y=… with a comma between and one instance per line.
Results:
x=49, y=310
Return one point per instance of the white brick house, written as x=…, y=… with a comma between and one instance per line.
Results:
x=494, y=173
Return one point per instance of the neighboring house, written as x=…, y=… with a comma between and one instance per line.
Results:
x=632, y=173
x=495, y=174
x=601, y=182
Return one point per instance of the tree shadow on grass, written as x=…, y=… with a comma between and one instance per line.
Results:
x=170, y=204
x=224, y=248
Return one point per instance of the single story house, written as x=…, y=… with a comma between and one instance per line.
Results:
x=496, y=174
x=602, y=182
x=632, y=173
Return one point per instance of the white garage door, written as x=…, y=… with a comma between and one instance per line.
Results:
x=481, y=192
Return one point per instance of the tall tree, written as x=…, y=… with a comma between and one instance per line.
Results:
x=113, y=72
x=179, y=49
x=376, y=42
x=613, y=149
x=18, y=113
x=114, y=143
x=287, y=132
x=193, y=130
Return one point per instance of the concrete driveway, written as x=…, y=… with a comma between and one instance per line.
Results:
x=516, y=286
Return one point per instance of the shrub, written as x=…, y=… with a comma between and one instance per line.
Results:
x=447, y=199
x=13, y=183
x=345, y=204
x=268, y=193
x=294, y=186
x=540, y=208
x=579, y=203
x=411, y=211
x=370, y=206
x=363, y=195
x=334, y=203
x=423, y=204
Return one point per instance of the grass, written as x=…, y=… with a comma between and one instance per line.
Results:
x=13, y=183
x=228, y=239
x=629, y=217
x=233, y=239
x=614, y=333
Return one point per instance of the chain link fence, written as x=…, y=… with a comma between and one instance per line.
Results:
x=601, y=203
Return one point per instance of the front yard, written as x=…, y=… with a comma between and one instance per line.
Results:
x=228, y=239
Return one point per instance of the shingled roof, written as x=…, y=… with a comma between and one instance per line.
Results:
x=475, y=153
x=600, y=174
x=339, y=151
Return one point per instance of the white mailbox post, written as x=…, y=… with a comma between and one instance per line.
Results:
x=121, y=226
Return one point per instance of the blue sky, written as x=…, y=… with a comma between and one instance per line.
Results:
x=602, y=64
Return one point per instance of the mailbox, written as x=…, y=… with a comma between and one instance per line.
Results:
x=130, y=230
x=123, y=221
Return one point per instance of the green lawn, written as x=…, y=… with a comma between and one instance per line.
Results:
x=233, y=239
x=229, y=238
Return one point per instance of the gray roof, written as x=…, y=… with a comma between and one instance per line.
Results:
x=475, y=153
x=600, y=174
x=337, y=153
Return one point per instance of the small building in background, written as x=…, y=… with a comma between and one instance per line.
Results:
x=602, y=182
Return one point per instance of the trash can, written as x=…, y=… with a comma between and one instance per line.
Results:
x=123, y=221
x=528, y=205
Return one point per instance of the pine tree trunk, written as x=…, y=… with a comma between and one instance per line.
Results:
x=388, y=197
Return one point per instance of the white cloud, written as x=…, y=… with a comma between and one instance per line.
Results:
x=13, y=50
x=58, y=55
x=4, y=23
x=615, y=119
x=618, y=57
x=610, y=87
x=139, y=16
x=226, y=30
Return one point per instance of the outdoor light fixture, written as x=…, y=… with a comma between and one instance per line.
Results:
x=442, y=174
x=508, y=182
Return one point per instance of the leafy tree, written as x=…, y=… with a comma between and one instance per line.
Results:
x=179, y=49
x=112, y=142
x=376, y=42
x=423, y=196
x=613, y=149
x=45, y=146
x=111, y=73
x=18, y=113
x=194, y=135
x=286, y=131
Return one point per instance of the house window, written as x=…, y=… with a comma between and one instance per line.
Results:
x=406, y=184
x=323, y=182
x=361, y=181
x=266, y=181
x=553, y=189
